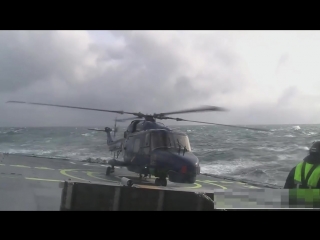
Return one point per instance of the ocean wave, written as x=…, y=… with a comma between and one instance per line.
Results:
x=220, y=150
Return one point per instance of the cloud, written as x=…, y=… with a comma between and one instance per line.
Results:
x=150, y=71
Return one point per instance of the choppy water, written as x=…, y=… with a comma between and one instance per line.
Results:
x=258, y=156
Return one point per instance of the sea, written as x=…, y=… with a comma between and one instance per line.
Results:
x=265, y=157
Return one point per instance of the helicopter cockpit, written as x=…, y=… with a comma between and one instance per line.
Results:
x=169, y=140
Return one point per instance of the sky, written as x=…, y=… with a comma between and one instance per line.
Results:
x=261, y=77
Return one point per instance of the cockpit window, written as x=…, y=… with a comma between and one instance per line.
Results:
x=159, y=139
x=169, y=140
x=181, y=140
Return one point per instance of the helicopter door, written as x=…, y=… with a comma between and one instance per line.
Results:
x=136, y=146
x=128, y=149
x=146, y=146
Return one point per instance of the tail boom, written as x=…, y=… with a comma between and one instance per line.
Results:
x=114, y=145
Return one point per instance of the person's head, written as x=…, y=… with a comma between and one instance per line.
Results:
x=315, y=149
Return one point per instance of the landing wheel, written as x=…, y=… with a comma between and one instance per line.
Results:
x=157, y=182
x=161, y=182
x=191, y=180
x=109, y=170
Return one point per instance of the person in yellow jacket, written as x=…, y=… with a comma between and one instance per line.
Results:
x=304, y=180
x=306, y=175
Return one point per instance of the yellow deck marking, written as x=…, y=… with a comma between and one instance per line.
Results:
x=211, y=183
x=90, y=174
x=244, y=184
x=44, y=168
x=197, y=185
x=20, y=166
x=63, y=172
x=42, y=179
x=207, y=181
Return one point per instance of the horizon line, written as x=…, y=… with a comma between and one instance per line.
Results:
x=86, y=126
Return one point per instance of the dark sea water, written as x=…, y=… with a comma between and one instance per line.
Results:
x=266, y=157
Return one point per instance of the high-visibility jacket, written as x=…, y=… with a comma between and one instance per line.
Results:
x=307, y=175
x=306, y=178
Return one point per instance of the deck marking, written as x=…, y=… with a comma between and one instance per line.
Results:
x=197, y=185
x=42, y=179
x=90, y=174
x=72, y=162
x=44, y=168
x=2, y=164
x=211, y=183
x=63, y=172
x=243, y=184
x=22, y=166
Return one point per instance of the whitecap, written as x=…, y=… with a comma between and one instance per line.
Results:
x=311, y=133
x=222, y=167
x=289, y=135
x=303, y=148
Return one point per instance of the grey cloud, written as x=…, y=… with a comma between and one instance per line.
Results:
x=287, y=96
x=282, y=61
x=143, y=74
x=27, y=57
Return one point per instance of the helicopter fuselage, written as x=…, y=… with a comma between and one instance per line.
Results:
x=152, y=148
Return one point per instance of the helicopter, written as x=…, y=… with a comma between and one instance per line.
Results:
x=151, y=148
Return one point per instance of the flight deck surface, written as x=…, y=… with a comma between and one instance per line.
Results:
x=32, y=183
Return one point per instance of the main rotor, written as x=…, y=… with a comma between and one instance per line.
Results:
x=153, y=117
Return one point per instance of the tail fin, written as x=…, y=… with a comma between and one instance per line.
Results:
x=110, y=140
x=107, y=130
x=109, y=137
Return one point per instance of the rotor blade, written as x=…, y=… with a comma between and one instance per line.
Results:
x=127, y=119
x=198, y=109
x=180, y=119
x=93, y=109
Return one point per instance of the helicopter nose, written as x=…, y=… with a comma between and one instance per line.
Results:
x=184, y=167
x=185, y=171
x=187, y=167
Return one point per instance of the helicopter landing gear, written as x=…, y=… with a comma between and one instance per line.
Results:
x=143, y=177
x=191, y=180
x=109, y=170
x=161, y=182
